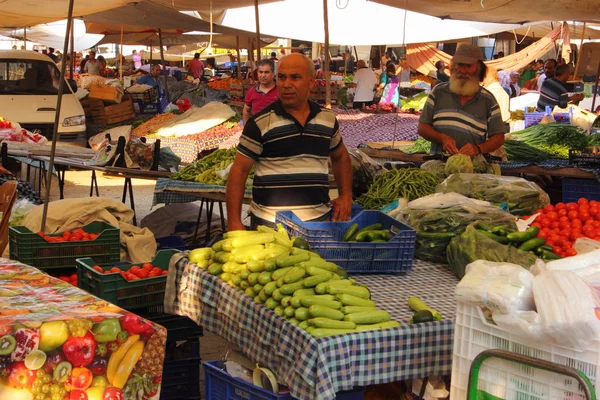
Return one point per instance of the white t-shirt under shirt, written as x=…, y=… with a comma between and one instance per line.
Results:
x=365, y=80
x=502, y=98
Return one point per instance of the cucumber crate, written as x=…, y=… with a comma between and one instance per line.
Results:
x=394, y=256
x=30, y=248
x=130, y=295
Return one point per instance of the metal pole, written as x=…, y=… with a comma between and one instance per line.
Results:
x=72, y=63
x=25, y=37
x=580, y=46
x=326, y=66
x=239, y=63
x=55, y=134
x=256, y=16
x=162, y=59
x=121, y=56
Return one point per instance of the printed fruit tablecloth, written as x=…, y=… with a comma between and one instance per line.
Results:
x=58, y=342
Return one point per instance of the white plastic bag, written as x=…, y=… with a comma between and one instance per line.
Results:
x=445, y=200
x=524, y=323
x=575, y=262
x=585, y=245
x=566, y=304
x=501, y=287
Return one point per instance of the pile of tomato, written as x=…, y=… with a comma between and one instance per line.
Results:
x=135, y=272
x=78, y=235
x=562, y=224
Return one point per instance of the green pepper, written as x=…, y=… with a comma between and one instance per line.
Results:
x=106, y=330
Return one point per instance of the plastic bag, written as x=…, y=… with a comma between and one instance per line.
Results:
x=435, y=167
x=20, y=209
x=364, y=169
x=566, y=307
x=473, y=245
x=523, y=197
x=435, y=388
x=436, y=227
x=168, y=160
x=575, y=262
x=458, y=163
x=501, y=287
x=445, y=200
x=523, y=323
x=585, y=245
x=97, y=141
x=140, y=154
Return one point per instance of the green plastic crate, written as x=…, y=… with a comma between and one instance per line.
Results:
x=29, y=248
x=130, y=295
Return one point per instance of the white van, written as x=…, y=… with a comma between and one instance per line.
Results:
x=28, y=94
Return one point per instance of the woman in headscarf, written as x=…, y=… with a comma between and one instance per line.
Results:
x=389, y=83
x=514, y=88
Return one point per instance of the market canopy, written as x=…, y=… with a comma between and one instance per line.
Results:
x=502, y=11
x=173, y=39
x=360, y=22
x=53, y=35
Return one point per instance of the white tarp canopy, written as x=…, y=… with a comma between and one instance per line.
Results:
x=53, y=35
x=360, y=22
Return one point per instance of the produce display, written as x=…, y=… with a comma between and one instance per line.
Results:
x=220, y=84
x=423, y=313
x=135, y=272
x=420, y=146
x=218, y=133
x=521, y=196
x=371, y=233
x=416, y=102
x=436, y=227
x=208, y=169
x=554, y=140
x=410, y=183
x=60, y=343
x=562, y=224
x=294, y=282
x=78, y=235
x=152, y=125
x=386, y=107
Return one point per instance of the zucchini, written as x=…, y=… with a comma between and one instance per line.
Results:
x=417, y=304
x=296, y=301
x=355, y=309
x=233, y=267
x=317, y=310
x=313, y=281
x=369, y=317
x=422, y=316
x=286, y=301
x=244, y=274
x=353, y=290
x=244, y=285
x=264, y=278
x=222, y=257
x=267, y=253
x=282, y=241
x=350, y=232
x=257, y=299
x=249, y=292
x=530, y=233
x=281, y=230
x=301, y=314
x=280, y=273
x=253, y=278
x=294, y=275
x=215, y=268
x=304, y=325
x=289, y=311
x=308, y=301
x=312, y=271
x=279, y=310
x=288, y=261
x=270, y=303
x=253, y=248
x=324, y=332
x=280, y=282
x=227, y=245
x=349, y=300
x=263, y=296
x=304, y=292
x=532, y=244
x=292, y=287
x=237, y=233
x=270, y=288
x=226, y=276
x=218, y=246
x=255, y=266
x=293, y=320
x=258, y=238
x=299, y=243
x=322, y=287
x=381, y=325
x=319, y=263
x=321, y=322
x=257, y=288
x=277, y=295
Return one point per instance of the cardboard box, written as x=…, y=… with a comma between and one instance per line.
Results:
x=109, y=94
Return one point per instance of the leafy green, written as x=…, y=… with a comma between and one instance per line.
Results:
x=420, y=146
x=459, y=163
x=553, y=139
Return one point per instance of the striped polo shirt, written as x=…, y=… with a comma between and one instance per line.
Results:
x=291, y=161
x=552, y=93
x=473, y=122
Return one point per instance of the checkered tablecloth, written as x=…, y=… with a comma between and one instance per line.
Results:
x=167, y=191
x=318, y=368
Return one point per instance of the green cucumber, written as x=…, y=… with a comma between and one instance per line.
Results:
x=548, y=255
x=313, y=281
x=497, y=238
x=349, y=300
x=353, y=290
x=483, y=227
x=363, y=237
x=532, y=244
x=316, y=311
x=374, y=235
x=350, y=232
x=530, y=233
x=321, y=322
x=369, y=317
x=374, y=227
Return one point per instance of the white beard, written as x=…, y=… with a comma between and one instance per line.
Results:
x=464, y=87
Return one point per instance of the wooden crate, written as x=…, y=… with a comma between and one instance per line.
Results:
x=110, y=94
x=113, y=114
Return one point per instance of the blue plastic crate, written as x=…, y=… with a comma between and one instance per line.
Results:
x=575, y=188
x=535, y=118
x=395, y=256
x=219, y=385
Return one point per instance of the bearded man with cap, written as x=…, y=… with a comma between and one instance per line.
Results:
x=460, y=116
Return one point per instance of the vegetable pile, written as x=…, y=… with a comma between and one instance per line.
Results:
x=420, y=146
x=416, y=102
x=554, y=140
x=206, y=170
x=78, y=235
x=371, y=233
x=152, y=125
x=410, y=183
x=294, y=282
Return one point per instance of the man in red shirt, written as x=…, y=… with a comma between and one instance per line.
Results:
x=196, y=67
x=262, y=94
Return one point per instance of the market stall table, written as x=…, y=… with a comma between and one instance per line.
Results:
x=318, y=368
x=49, y=322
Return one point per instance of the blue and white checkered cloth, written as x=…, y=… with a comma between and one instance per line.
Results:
x=168, y=191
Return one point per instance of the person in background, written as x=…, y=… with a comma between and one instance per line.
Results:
x=51, y=54
x=14, y=47
x=490, y=82
x=404, y=73
x=440, y=74
x=196, y=67
x=93, y=66
x=554, y=93
x=83, y=62
x=274, y=57
x=528, y=73
x=349, y=61
x=264, y=93
x=137, y=59
x=503, y=78
x=281, y=51
x=290, y=143
x=461, y=117
x=365, y=82
x=152, y=79
x=500, y=54
x=102, y=62
x=389, y=83
x=127, y=66
x=251, y=68
x=387, y=56
x=514, y=88
x=549, y=67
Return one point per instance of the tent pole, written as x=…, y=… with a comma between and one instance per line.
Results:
x=72, y=64
x=61, y=90
x=580, y=45
x=25, y=37
x=162, y=59
x=326, y=66
x=239, y=63
x=121, y=55
x=256, y=16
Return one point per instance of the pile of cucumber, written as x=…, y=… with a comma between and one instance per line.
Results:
x=525, y=241
x=371, y=234
x=294, y=282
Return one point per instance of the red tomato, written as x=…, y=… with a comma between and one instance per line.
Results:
x=565, y=232
x=572, y=214
x=572, y=206
x=571, y=252
x=93, y=236
x=537, y=224
x=165, y=273
x=549, y=208
x=567, y=245
x=574, y=234
x=142, y=273
x=564, y=225
x=587, y=228
x=562, y=212
x=584, y=216
x=555, y=224
x=576, y=223
x=545, y=222
x=596, y=224
x=133, y=269
x=560, y=206
x=594, y=203
x=157, y=269
x=115, y=269
x=550, y=243
x=559, y=240
x=98, y=268
x=593, y=211
x=583, y=200
x=543, y=235
x=132, y=277
x=525, y=217
x=591, y=233
x=148, y=266
x=553, y=215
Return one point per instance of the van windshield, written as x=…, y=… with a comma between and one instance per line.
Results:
x=28, y=77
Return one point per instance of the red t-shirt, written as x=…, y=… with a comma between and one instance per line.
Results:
x=257, y=100
x=196, y=67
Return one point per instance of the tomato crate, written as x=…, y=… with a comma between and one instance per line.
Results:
x=130, y=295
x=219, y=385
x=501, y=379
x=29, y=248
x=392, y=257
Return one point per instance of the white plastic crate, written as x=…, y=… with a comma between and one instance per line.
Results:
x=508, y=380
